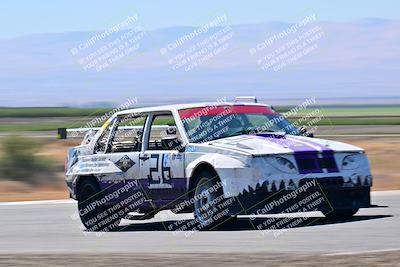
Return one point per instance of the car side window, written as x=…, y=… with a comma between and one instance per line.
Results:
x=163, y=133
x=127, y=136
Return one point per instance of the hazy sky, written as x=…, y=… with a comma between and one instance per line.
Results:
x=359, y=58
x=22, y=17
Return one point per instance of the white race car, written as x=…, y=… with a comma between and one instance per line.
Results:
x=217, y=160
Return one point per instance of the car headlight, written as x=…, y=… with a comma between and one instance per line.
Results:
x=350, y=162
x=283, y=165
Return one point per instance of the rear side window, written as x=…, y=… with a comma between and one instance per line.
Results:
x=128, y=134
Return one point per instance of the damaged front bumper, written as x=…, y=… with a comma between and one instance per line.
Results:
x=312, y=195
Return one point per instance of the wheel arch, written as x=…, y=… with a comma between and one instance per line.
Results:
x=81, y=178
x=200, y=167
x=227, y=167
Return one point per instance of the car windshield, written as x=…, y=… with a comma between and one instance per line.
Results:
x=214, y=122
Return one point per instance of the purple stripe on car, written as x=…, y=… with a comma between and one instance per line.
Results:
x=293, y=145
x=306, y=153
x=328, y=156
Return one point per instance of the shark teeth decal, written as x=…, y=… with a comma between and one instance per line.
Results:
x=296, y=183
x=292, y=184
x=269, y=188
x=244, y=191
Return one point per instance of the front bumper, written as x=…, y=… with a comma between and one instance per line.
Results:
x=323, y=195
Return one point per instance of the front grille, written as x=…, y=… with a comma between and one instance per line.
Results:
x=308, y=165
x=328, y=162
x=315, y=162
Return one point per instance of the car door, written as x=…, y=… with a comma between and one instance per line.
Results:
x=161, y=160
x=123, y=148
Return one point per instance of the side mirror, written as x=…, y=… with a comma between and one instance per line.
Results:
x=171, y=143
x=303, y=132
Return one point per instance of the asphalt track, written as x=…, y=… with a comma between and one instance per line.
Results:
x=48, y=227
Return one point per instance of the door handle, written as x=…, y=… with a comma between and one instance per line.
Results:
x=144, y=158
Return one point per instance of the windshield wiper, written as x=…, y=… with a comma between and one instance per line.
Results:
x=272, y=131
x=256, y=131
x=245, y=131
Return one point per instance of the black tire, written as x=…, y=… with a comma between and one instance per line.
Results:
x=208, y=194
x=93, y=214
x=341, y=214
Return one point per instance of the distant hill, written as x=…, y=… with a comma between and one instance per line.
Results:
x=359, y=59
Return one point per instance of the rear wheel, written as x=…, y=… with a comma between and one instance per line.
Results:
x=208, y=211
x=93, y=213
x=341, y=214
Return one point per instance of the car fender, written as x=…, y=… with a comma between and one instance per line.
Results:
x=228, y=168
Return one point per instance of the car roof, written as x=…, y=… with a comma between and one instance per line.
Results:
x=176, y=107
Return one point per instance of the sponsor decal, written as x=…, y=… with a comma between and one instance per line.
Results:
x=177, y=156
x=125, y=163
x=191, y=149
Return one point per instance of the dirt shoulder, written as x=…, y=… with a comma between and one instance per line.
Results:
x=17, y=191
x=383, y=154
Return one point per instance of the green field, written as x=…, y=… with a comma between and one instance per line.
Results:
x=51, y=112
x=384, y=115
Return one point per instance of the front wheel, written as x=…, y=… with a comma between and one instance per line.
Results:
x=341, y=214
x=209, y=208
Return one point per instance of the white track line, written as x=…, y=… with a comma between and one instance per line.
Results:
x=38, y=202
x=386, y=192
x=362, y=252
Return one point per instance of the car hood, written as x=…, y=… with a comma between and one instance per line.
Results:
x=262, y=144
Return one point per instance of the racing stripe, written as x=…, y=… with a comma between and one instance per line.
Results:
x=317, y=145
x=306, y=153
x=306, y=156
x=295, y=143
x=327, y=153
x=291, y=144
x=302, y=141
